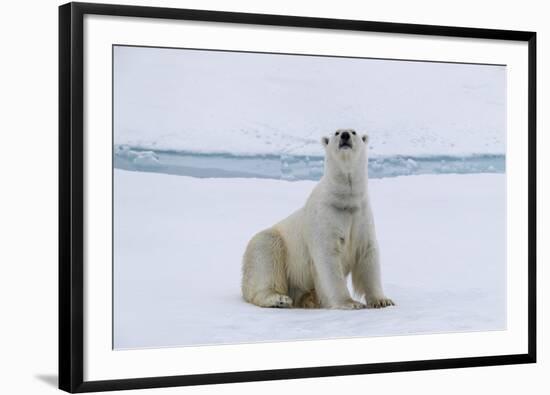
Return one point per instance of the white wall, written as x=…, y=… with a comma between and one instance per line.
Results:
x=28, y=209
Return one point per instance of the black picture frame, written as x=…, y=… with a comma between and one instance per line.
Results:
x=71, y=195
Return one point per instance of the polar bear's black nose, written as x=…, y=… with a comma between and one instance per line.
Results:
x=345, y=136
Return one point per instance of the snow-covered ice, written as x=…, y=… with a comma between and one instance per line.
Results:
x=250, y=104
x=179, y=242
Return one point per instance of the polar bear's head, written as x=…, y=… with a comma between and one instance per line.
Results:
x=345, y=146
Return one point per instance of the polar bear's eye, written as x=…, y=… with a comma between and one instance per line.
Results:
x=337, y=133
x=353, y=132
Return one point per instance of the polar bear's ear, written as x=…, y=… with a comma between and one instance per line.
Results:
x=365, y=138
x=325, y=141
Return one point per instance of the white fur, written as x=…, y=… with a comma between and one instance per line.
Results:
x=303, y=261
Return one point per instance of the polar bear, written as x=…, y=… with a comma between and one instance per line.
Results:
x=304, y=260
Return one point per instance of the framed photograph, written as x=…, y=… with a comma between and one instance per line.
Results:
x=251, y=197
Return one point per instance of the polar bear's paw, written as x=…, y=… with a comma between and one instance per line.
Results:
x=279, y=301
x=378, y=303
x=350, y=305
x=309, y=300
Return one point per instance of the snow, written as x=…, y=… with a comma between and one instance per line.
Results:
x=179, y=242
x=249, y=104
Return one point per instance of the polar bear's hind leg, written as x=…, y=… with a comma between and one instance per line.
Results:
x=265, y=282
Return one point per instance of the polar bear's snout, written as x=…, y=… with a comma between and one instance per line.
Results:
x=345, y=141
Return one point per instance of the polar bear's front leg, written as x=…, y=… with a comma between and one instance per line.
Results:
x=330, y=281
x=366, y=278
